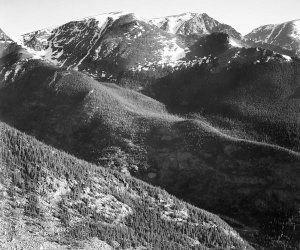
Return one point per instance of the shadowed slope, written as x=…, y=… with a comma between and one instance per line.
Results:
x=247, y=92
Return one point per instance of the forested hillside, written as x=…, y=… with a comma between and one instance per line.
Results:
x=52, y=200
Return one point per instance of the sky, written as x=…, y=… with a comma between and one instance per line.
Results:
x=20, y=16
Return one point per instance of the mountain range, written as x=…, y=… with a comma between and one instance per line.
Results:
x=181, y=102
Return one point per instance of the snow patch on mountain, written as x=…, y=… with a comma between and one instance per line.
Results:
x=35, y=42
x=92, y=42
x=11, y=73
x=235, y=43
x=271, y=33
x=287, y=58
x=173, y=23
x=53, y=57
x=193, y=23
x=296, y=31
x=102, y=19
x=171, y=51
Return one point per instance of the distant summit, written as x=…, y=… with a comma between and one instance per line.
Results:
x=285, y=35
x=193, y=23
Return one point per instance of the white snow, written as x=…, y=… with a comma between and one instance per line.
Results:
x=17, y=68
x=174, y=22
x=279, y=32
x=236, y=55
x=54, y=78
x=41, y=36
x=7, y=74
x=296, y=31
x=235, y=43
x=36, y=54
x=52, y=57
x=171, y=51
x=172, y=65
x=271, y=28
x=268, y=59
x=271, y=33
x=287, y=58
x=103, y=18
x=97, y=36
x=97, y=51
x=6, y=41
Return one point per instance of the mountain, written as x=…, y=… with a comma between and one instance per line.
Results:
x=104, y=45
x=285, y=35
x=194, y=23
x=124, y=130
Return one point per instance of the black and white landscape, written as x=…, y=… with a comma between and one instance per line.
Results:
x=120, y=132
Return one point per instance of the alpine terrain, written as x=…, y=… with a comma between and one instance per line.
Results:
x=194, y=23
x=285, y=35
x=119, y=132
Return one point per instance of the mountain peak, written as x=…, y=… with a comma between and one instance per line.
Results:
x=185, y=14
x=285, y=35
x=107, y=14
x=193, y=23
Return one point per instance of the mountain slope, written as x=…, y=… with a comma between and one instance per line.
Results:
x=51, y=200
x=285, y=35
x=193, y=23
x=125, y=130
